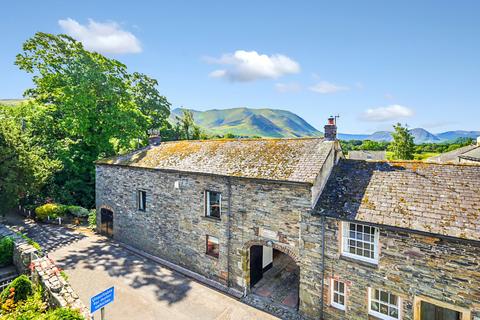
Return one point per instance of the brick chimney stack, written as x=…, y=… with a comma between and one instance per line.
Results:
x=331, y=130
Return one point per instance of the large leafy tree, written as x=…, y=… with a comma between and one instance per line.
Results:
x=402, y=146
x=25, y=167
x=92, y=108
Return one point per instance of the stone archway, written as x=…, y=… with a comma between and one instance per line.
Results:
x=277, y=279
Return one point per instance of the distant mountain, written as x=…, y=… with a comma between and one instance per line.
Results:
x=252, y=122
x=423, y=136
x=452, y=135
x=11, y=102
x=351, y=136
x=385, y=136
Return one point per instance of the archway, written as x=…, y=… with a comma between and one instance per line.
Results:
x=274, y=274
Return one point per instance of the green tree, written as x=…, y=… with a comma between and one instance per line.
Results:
x=89, y=107
x=402, y=145
x=186, y=127
x=25, y=168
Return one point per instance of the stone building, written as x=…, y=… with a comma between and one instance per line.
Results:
x=466, y=155
x=270, y=218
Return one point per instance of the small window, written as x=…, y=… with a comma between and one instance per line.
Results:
x=142, y=200
x=338, y=294
x=213, y=248
x=360, y=242
x=213, y=206
x=383, y=304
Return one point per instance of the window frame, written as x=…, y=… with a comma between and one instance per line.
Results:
x=465, y=313
x=345, y=237
x=332, y=294
x=141, y=205
x=209, y=253
x=380, y=315
x=208, y=206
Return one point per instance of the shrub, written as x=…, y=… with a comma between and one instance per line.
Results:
x=63, y=314
x=30, y=241
x=22, y=287
x=78, y=211
x=92, y=219
x=6, y=251
x=32, y=308
x=51, y=210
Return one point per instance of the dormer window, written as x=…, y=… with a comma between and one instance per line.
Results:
x=360, y=242
x=213, y=204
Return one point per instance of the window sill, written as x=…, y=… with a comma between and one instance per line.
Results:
x=212, y=257
x=337, y=307
x=379, y=316
x=358, y=261
x=213, y=219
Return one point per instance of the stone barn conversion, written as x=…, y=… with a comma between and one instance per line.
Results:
x=294, y=224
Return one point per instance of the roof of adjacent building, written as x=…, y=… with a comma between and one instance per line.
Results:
x=452, y=156
x=472, y=155
x=367, y=155
x=296, y=160
x=442, y=199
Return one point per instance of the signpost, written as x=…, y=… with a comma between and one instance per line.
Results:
x=101, y=300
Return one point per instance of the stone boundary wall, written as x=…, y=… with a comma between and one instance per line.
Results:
x=44, y=271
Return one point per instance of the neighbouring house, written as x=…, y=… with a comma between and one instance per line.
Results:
x=367, y=155
x=468, y=154
x=293, y=222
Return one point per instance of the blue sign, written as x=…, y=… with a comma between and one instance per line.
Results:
x=101, y=300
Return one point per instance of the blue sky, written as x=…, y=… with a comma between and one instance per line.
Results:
x=372, y=62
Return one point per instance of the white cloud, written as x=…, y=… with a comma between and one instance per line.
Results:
x=288, y=87
x=243, y=66
x=325, y=87
x=104, y=37
x=389, y=113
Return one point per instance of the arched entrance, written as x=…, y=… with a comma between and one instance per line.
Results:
x=106, y=222
x=274, y=274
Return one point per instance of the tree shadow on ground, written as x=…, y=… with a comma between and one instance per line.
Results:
x=136, y=271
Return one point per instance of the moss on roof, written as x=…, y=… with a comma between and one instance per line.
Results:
x=298, y=160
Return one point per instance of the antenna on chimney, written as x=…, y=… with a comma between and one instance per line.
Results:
x=335, y=118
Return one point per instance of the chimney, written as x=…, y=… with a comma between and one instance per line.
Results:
x=478, y=141
x=154, y=140
x=330, y=130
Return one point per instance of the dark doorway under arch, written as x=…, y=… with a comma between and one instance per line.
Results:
x=274, y=276
x=106, y=222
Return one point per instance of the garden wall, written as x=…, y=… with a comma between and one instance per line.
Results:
x=43, y=271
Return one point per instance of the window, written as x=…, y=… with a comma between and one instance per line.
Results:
x=213, y=248
x=360, y=242
x=142, y=200
x=383, y=305
x=213, y=204
x=338, y=294
x=426, y=308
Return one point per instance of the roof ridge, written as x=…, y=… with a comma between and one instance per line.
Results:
x=420, y=162
x=246, y=139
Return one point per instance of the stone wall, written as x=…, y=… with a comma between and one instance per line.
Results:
x=174, y=225
x=44, y=272
x=410, y=266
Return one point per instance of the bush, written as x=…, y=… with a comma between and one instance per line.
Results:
x=6, y=251
x=32, y=308
x=63, y=314
x=92, y=219
x=30, y=241
x=78, y=211
x=51, y=210
x=22, y=287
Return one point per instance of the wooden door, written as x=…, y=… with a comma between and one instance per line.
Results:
x=432, y=312
x=106, y=222
x=256, y=260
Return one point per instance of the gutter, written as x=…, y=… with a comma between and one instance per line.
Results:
x=229, y=227
x=323, y=267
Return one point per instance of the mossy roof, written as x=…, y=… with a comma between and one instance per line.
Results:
x=434, y=198
x=296, y=160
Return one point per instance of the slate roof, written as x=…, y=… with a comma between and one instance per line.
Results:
x=442, y=199
x=296, y=160
x=472, y=155
x=452, y=156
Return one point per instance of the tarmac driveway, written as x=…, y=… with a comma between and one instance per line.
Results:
x=143, y=289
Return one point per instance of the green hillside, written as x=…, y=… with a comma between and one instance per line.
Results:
x=11, y=102
x=252, y=122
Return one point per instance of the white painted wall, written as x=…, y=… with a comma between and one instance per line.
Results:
x=267, y=256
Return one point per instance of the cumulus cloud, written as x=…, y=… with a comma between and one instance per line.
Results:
x=104, y=37
x=288, y=87
x=325, y=87
x=389, y=113
x=244, y=66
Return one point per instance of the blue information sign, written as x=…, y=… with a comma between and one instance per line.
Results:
x=101, y=299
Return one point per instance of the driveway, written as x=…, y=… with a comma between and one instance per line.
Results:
x=143, y=289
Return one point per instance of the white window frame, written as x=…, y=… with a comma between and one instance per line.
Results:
x=207, y=204
x=345, y=237
x=332, y=294
x=381, y=315
x=140, y=204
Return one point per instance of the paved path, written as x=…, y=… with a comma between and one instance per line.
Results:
x=144, y=290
